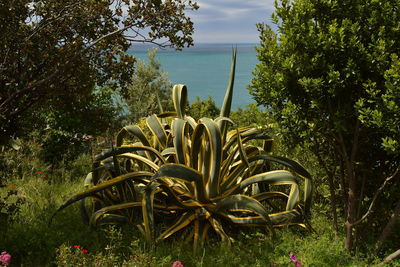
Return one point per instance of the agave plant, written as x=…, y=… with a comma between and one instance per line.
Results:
x=194, y=177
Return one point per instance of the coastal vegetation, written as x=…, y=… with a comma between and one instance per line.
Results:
x=330, y=79
x=179, y=178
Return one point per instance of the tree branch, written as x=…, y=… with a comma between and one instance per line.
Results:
x=389, y=227
x=355, y=141
x=377, y=193
x=20, y=92
x=50, y=20
x=390, y=257
x=145, y=39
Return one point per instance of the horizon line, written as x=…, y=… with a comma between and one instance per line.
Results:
x=230, y=43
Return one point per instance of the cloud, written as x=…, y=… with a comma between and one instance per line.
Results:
x=223, y=4
x=224, y=10
x=230, y=20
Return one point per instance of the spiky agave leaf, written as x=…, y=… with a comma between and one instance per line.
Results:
x=194, y=175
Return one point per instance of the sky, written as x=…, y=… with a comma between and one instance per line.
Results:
x=230, y=21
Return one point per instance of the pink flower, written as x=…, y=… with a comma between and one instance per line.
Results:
x=39, y=172
x=177, y=264
x=5, y=258
x=293, y=258
x=77, y=246
x=84, y=251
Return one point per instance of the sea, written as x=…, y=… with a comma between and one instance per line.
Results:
x=204, y=69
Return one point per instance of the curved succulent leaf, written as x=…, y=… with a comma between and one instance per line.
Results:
x=185, y=219
x=179, y=97
x=200, y=231
x=93, y=190
x=267, y=195
x=242, y=153
x=129, y=149
x=140, y=159
x=157, y=129
x=293, y=165
x=147, y=210
x=219, y=119
x=167, y=114
x=226, y=105
x=217, y=226
x=242, y=202
x=110, y=219
x=191, y=122
x=184, y=173
x=272, y=177
x=284, y=216
x=179, y=130
x=214, y=137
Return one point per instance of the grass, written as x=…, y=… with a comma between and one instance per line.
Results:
x=32, y=242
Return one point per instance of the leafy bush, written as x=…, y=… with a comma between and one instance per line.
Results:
x=10, y=205
x=148, y=77
x=194, y=176
x=203, y=108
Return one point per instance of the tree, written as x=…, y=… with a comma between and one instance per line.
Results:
x=251, y=115
x=149, y=89
x=67, y=129
x=381, y=111
x=52, y=49
x=329, y=59
x=203, y=108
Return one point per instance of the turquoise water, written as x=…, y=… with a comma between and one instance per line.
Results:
x=205, y=68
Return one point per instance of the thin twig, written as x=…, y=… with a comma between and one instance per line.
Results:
x=377, y=193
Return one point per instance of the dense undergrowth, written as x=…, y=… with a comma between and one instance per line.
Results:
x=31, y=241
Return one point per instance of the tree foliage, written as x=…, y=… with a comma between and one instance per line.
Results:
x=381, y=108
x=330, y=77
x=67, y=130
x=203, y=108
x=149, y=90
x=55, y=49
x=250, y=115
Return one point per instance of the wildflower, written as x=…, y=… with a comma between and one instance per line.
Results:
x=177, y=264
x=39, y=172
x=293, y=258
x=77, y=246
x=5, y=258
x=84, y=251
